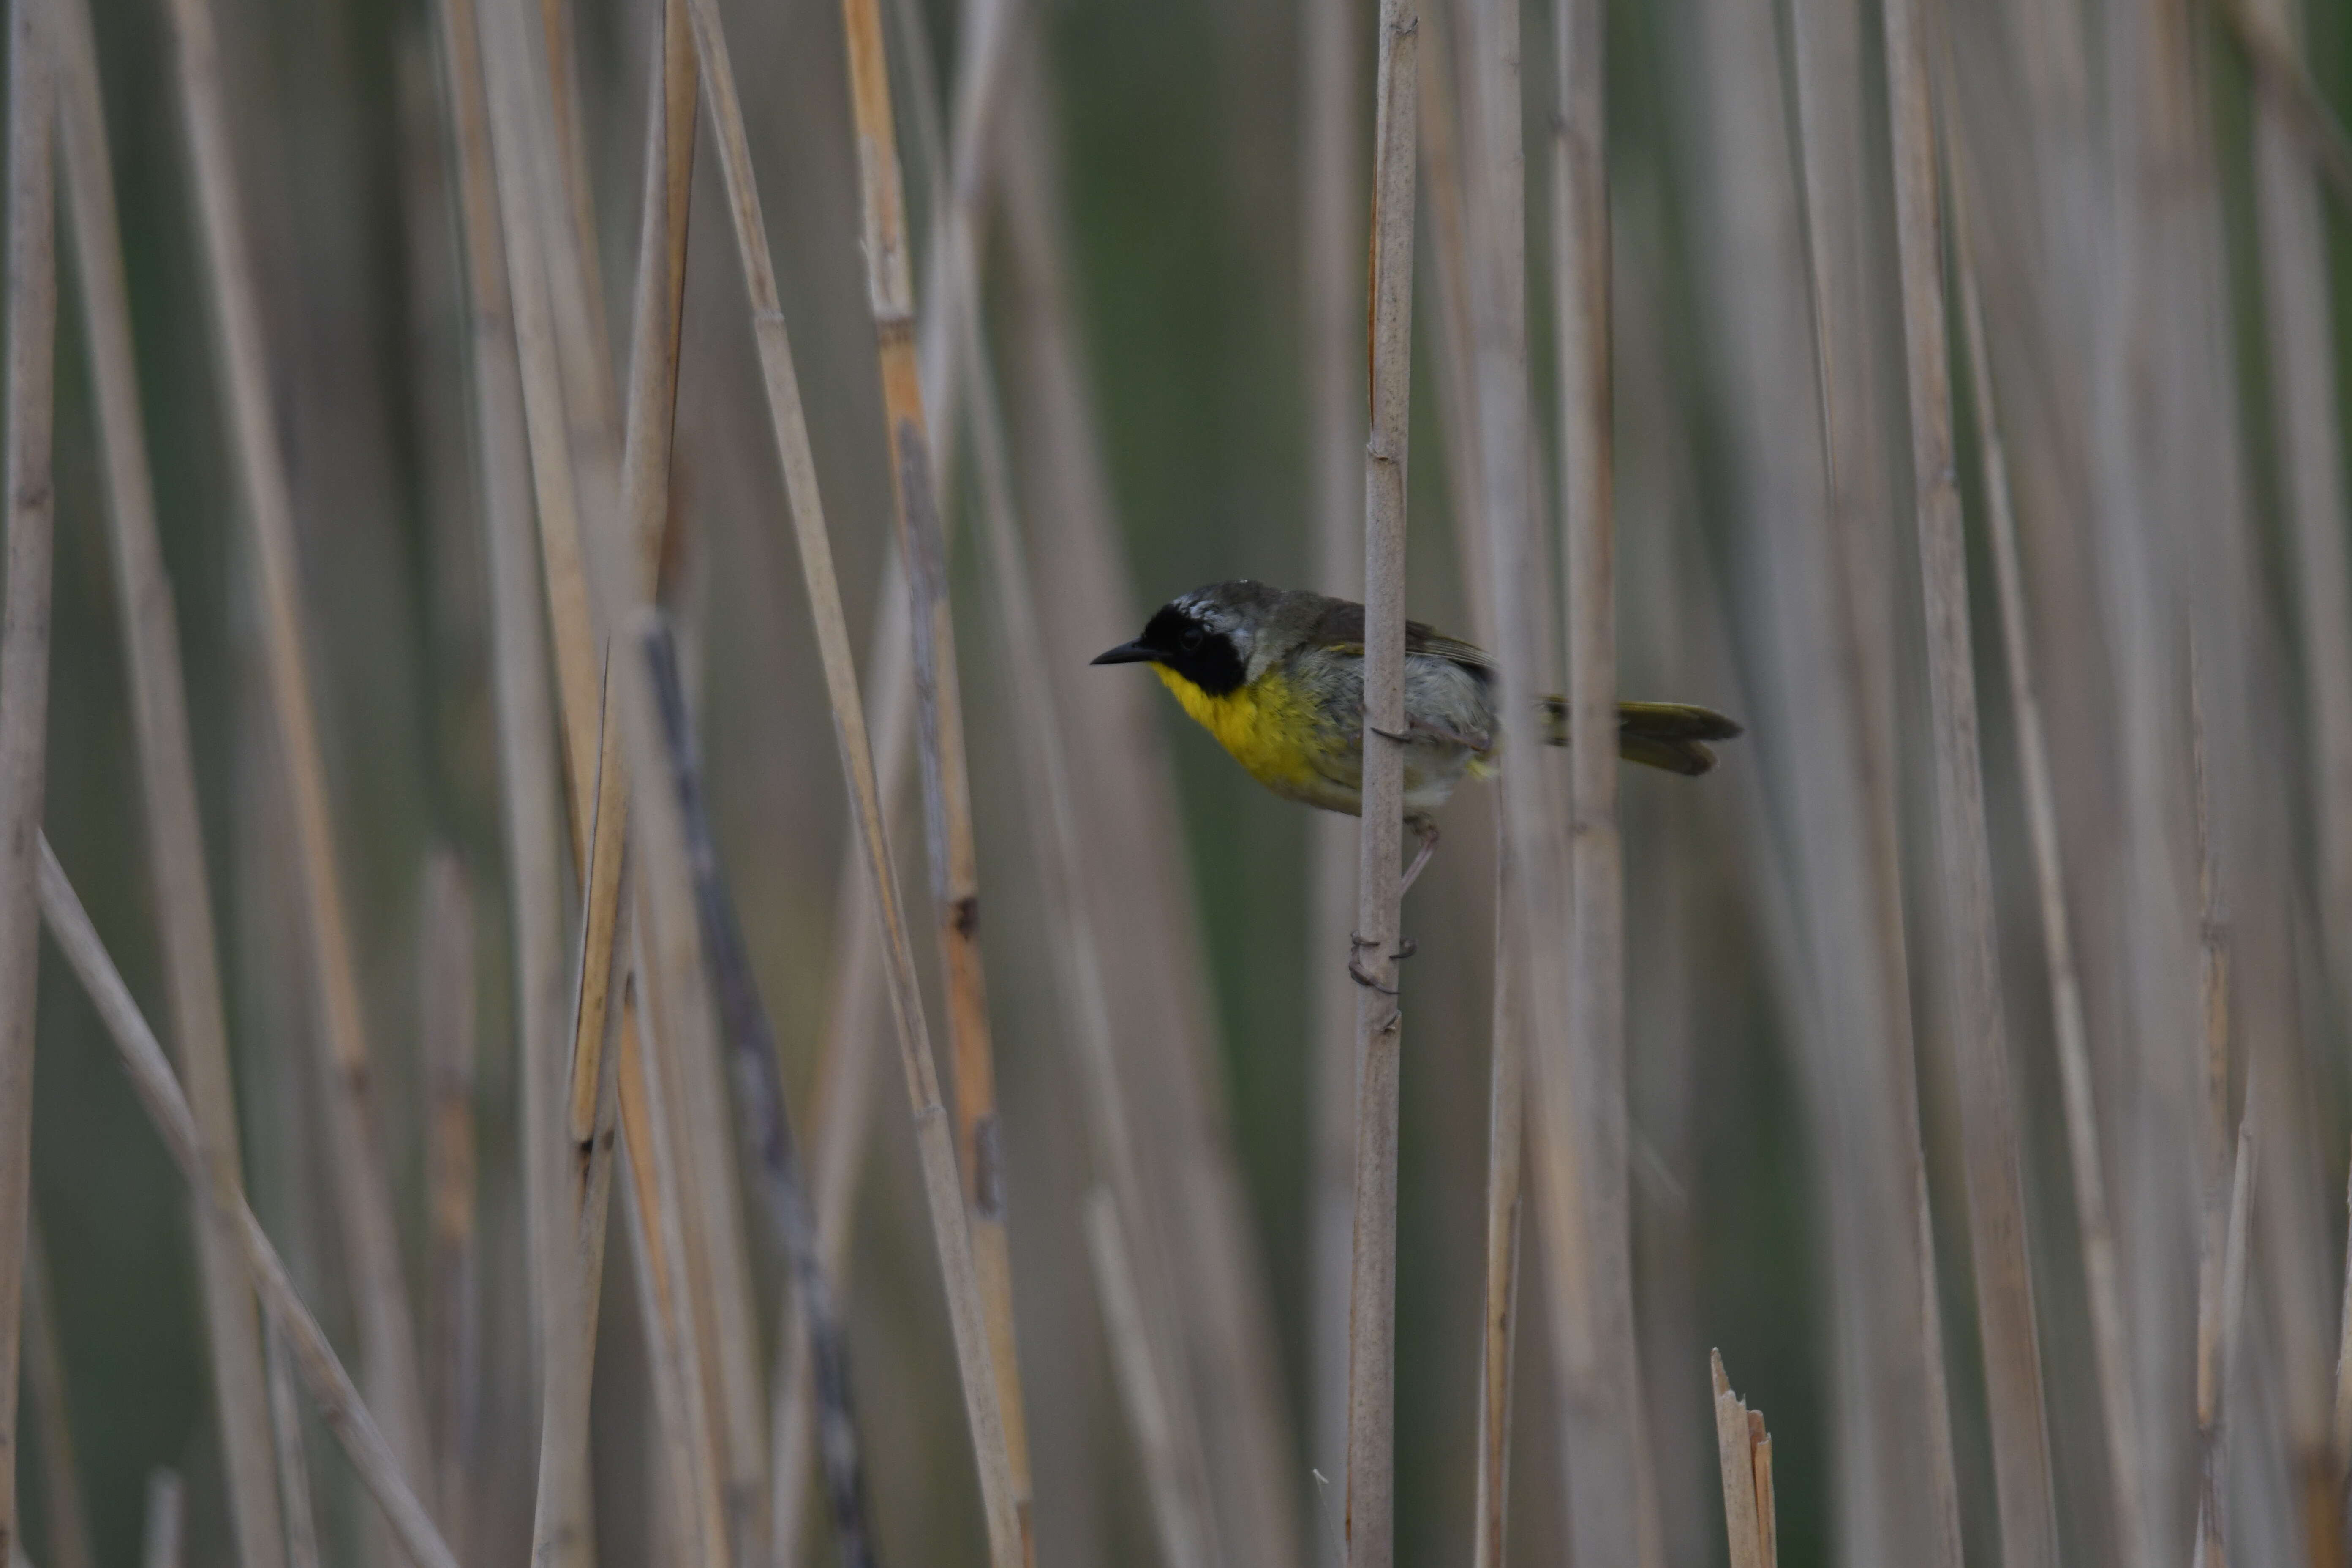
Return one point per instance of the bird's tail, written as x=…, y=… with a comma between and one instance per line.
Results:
x=1669, y=735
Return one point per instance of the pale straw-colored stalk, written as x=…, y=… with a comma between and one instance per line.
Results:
x=65, y=1542
x=1331, y=249
x=2070, y=1031
x=445, y=1010
x=166, y=1541
x=1174, y=1446
x=175, y=855
x=1377, y=941
x=340, y=1405
x=1136, y=876
x=1993, y=1157
x=942, y=1185
x=31, y=308
x=1603, y=1427
x=947, y=788
x=1182, y=1528
x=293, y=1462
x=1745, y=1451
x=362, y=1180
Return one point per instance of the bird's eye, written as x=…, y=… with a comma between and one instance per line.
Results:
x=1191, y=640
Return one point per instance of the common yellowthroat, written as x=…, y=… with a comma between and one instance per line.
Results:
x=1277, y=676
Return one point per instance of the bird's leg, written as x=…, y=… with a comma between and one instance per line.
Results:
x=1427, y=827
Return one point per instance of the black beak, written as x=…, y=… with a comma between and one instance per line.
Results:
x=1126, y=653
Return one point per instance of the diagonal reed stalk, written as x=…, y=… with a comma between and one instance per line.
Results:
x=1989, y=1113
x=31, y=308
x=1377, y=943
x=2119, y=1424
x=346, y=1415
x=1603, y=1431
x=677, y=826
x=946, y=785
x=167, y=775
x=66, y=1541
x=942, y=1187
x=370, y=1235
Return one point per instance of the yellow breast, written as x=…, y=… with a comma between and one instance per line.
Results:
x=1265, y=725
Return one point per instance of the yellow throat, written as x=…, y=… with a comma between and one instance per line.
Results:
x=1265, y=725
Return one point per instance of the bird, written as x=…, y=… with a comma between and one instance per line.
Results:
x=1277, y=676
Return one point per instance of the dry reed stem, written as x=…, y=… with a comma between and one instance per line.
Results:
x=165, y=1542
x=563, y=1512
x=1609, y=1513
x=1533, y=800
x=521, y=134
x=340, y=1405
x=1897, y=1501
x=2215, y=1230
x=66, y=1541
x=445, y=1011
x=2302, y=108
x=1330, y=207
x=1181, y=1449
x=2109, y=1334
x=845, y=1074
x=1745, y=1451
x=529, y=787
x=293, y=1466
x=2310, y=454
x=941, y=1182
x=167, y=775
x=714, y=1238
x=1993, y=1160
x=1507, y=1118
x=494, y=167
x=1377, y=943
x=1183, y=1538
x=677, y=830
x=1136, y=878
x=1454, y=339
x=370, y=1229
x=947, y=788
x=31, y=320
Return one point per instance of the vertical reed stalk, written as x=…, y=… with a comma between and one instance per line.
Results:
x=340, y=1405
x=947, y=789
x=1177, y=1454
x=370, y=1233
x=676, y=828
x=2119, y=1424
x=68, y=1542
x=293, y=1463
x=1989, y=1119
x=1604, y=1430
x=167, y=773
x=529, y=787
x=31, y=308
x=1377, y=941
x=942, y=1187
x=1184, y=1529
x=445, y=1014
x=1745, y=1451
x=1136, y=881
x=1507, y=1120
x=2215, y=1232
x=167, y=1522
x=1330, y=205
